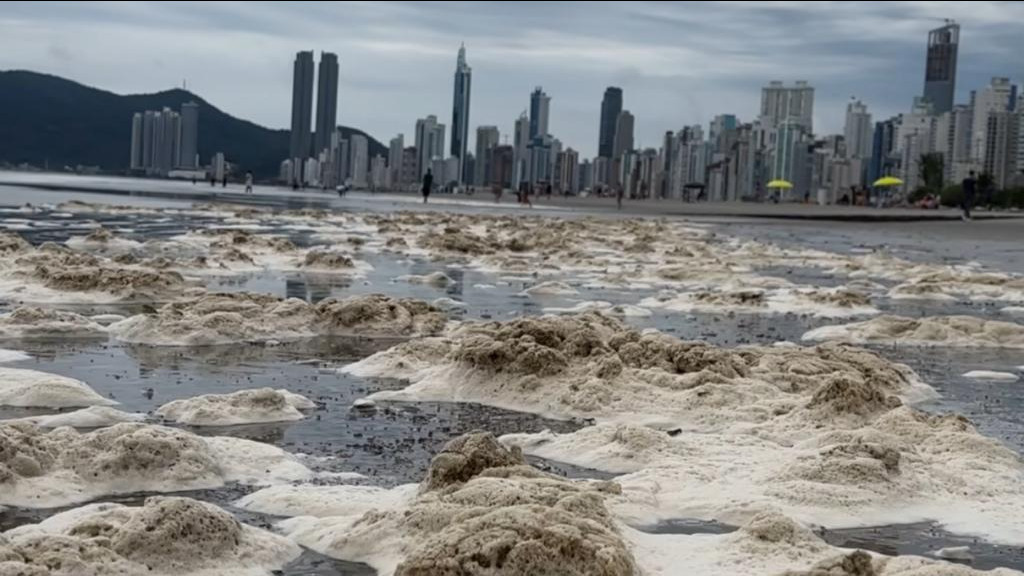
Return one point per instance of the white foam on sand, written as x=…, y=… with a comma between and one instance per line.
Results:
x=241, y=407
x=899, y=467
x=552, y=288
x=436, y=279
x=821, y=433
x=60, y=467
x=476, y=501
x=951, y=331
x=91, y=417
x=247, y=317
x=30, y=322
x=12, y=355
x=325, y=501
x=991, y=375
x=593, y=366
x=823, y=303
x=164, y=537
x=621, y=310
x=34, y=389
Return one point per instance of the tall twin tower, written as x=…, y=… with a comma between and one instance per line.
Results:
x=305, y=144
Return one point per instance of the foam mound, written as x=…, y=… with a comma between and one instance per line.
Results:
x=236, y=317
x=551, y=289
x=243, y=407
x=54, y=273
x=860, y=563
x=951, y=331
x=11, y=243
x=164, y=536
x=91, y=417
x=8, y=355
x=213, y=319
x=592, y=365
x=326, y=259
x=826, y=303
x=60, y=467
x=378, y=315
x=35, y=389
x=102, y=240
x=30, y=322
x=436, y=279
x=482, y=511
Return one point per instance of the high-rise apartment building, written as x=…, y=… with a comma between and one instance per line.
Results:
x=940, y=67
x=326, y=101
x=611, y=107
x=460, y=112
x=188, y=156
x=486, y=139
x=540, y=107
x=793, y=104
x=302, y=109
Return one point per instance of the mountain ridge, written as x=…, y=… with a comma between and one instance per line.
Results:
x=50, y=120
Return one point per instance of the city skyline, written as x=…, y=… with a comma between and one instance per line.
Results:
x=668, y=82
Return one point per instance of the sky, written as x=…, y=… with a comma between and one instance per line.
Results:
x=678, y=63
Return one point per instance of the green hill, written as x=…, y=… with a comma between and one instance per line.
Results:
x=45, y=119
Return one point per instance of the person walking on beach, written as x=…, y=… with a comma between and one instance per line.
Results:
x=967, y=187
x=619, y=193
x=224, y=181
x=428, y=183
x=248, y=182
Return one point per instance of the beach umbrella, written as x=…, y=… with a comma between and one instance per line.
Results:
x=780, y=184
x=888, y=181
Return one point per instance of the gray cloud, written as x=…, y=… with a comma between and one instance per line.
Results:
x=678, y=62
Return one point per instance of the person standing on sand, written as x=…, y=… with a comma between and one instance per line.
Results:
x=428, y=183
x=967, y=188
x=224, y=181
x=619, y=193
x=248, y=182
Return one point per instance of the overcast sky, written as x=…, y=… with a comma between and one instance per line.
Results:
x=678, y=63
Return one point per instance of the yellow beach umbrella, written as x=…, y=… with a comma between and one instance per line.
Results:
x=888, y=181
x=781, y=184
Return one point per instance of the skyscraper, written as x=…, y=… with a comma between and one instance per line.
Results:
x=360, y=166
x=302, y=109
x=135, y=162
x=429, y=144
x=940, y=66
x=611, y=106
x=460, y=112
x=623, y=134
x=793, y=104
x=858, y=131
x=326, y=101
x=540, y=104
x=996, y=97
x=486, y=140
x=521, y=139
x=1001, y=147
x=395, y=149
x=189, y=149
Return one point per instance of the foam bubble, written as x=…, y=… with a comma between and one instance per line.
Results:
x=60, y=467
x=241, y=407
x=32, y=388
x=991, y=375
x=13, y=355
x=954, y=331
x=164, y=537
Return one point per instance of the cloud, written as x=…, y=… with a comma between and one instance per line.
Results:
x=679, y=63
